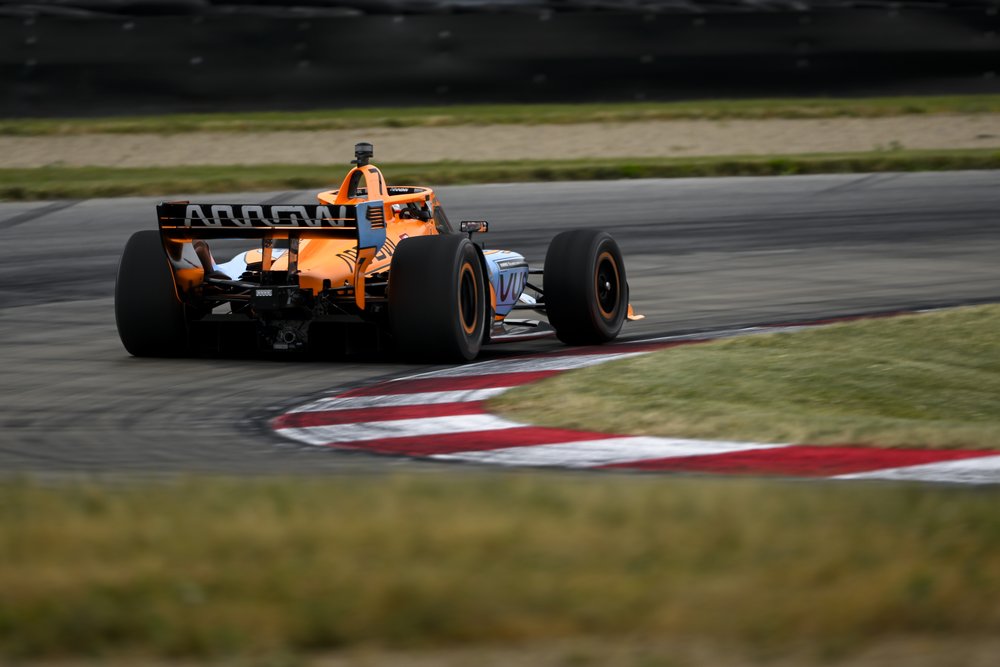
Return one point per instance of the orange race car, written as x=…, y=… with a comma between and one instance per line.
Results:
x=369, y=262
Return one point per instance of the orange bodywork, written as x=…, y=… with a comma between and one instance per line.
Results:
x=335, y=259
x=339, y=261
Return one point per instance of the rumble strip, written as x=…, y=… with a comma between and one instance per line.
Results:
x=441, y=416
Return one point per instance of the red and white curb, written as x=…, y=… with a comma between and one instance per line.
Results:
x=440, y=415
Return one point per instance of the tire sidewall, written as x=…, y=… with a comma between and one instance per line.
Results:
x=571, y=292
x=425, y=296
x=609, y=325
x=468, y=265
x=150, y=318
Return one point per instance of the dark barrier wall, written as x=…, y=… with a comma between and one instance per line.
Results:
x=60, y=65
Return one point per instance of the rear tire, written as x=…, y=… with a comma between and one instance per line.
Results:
x=586, y=294
x=437, y=298
x=150, y=318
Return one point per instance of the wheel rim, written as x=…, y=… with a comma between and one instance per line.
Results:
x=468, y=299
x=607, y=285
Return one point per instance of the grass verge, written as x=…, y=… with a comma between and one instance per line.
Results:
x=929, y=380
x=216, y=567
x=86, y=182
x=519, y=114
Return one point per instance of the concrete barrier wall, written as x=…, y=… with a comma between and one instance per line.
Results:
x=90, y=64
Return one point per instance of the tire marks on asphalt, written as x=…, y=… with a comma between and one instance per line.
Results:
x=39, y=212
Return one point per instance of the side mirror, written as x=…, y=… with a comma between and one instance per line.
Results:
x=473, y=226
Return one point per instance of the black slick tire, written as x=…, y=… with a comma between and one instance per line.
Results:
x=150, y=318
x=437, y=298
x=586, y=293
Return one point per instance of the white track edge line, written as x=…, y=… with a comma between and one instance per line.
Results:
x=395, y=428
x=607, y=451
x=973, y=470
x=398, y=400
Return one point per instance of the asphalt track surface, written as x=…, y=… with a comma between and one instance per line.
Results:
x=701, y=254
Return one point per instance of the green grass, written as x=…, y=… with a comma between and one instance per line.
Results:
x=85, y=182
x=216, y=567
x=519, y=114
x=929, y=380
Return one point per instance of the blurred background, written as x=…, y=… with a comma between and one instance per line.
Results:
x=105, y=57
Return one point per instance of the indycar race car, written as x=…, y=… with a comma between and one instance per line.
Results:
x=370, y=263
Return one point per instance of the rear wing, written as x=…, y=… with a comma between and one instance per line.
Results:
x=186, y=221
x=364, y=222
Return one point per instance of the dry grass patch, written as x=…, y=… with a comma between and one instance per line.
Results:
x=215, y=567
x=929, y=380
x=506, y=114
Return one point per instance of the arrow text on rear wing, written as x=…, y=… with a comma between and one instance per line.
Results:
x=242, y=216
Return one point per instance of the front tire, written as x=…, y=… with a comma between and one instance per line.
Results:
x=586, y=294
x=437, y=298
x=150, y=318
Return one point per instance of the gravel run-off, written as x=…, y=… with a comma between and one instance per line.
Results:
x=684, y=138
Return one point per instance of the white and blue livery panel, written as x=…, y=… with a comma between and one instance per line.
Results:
x=508, y=275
